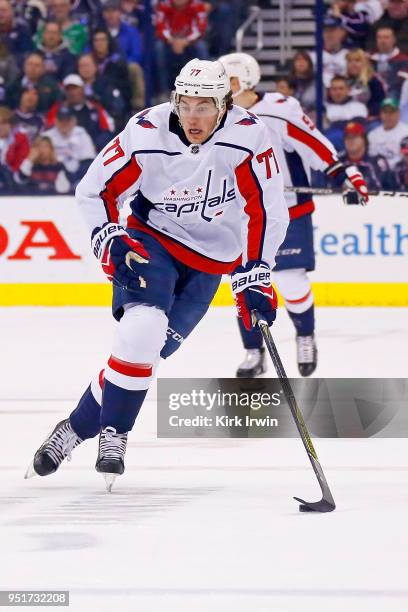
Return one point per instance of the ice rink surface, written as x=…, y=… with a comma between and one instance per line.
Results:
x=199, y=524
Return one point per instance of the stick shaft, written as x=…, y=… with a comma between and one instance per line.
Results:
x=294, y=408
x=329, y=191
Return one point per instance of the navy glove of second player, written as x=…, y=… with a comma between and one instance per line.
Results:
x=252, y=289
x=120, y=256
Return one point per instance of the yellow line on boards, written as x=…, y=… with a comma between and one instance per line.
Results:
x=77, y=294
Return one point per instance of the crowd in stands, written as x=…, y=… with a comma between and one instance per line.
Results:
x=72, y=73
x=365, y=79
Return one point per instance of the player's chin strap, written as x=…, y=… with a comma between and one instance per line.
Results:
x=219, y=103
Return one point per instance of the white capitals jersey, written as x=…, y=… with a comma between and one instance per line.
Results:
x=304, y=146
x=207, y=204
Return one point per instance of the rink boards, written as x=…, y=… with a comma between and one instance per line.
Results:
x=45, y=257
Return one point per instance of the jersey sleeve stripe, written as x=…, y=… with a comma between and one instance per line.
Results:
x=313, y=143
x=251, y=191
x=119, y=182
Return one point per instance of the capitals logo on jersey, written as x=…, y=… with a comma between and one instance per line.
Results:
x=143, y=122
x=188, y=203
x=250, y=120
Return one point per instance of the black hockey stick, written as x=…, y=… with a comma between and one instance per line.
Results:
x=326, y=504
x=329, y=191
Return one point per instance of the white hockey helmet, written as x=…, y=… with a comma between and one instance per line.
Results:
x=244, y=67
x=202, y=79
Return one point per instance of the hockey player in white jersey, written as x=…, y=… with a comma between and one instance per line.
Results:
x=304, y=147
x=207, y=199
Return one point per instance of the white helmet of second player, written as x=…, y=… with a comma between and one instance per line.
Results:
x=244, y=67
x=203, y=79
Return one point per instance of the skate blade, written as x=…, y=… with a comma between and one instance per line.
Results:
x=109, y=480
x=30, y=473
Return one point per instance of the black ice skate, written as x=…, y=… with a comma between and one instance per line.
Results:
x=306, y=354
x=58, y=446
x=253, y=364
x=110, y=461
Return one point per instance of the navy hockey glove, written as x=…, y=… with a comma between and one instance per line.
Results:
x=252, y=289
x=120, y=256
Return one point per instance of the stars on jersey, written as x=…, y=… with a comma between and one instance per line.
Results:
x=184, y=192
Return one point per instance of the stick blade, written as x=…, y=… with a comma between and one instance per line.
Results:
x=321, y=506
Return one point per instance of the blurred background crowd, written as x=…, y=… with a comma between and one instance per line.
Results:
x=72, y=72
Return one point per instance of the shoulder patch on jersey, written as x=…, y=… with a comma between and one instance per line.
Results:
x=143, y=122
x=250, y=120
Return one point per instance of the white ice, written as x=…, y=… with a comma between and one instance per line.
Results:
x=198, y=524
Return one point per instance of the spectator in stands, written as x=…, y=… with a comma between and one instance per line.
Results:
x=375, y=170
x=365, y=86
x=132, y=12
x=41, y=173
x=111, y=64
x=14, y=148
x=401, y=169
x=73, y=145
x=32, y=12
x=75, y=34
x=86, y=12
x=386, y=139
x=340, y=109
x=389, y=61
x=222, y=26
x=127, y=37
x=97, y=88
x=34, y=76
x=355, y=20
x=16, y=36
x=26, y=118
x=8, y=70
x=89, y=115
x=59, y=61
x=129, y=43
x=285, y=86
x=334, y=52
x=302, y=76
x=404, y=101
x=180, y=29
x=395, y=17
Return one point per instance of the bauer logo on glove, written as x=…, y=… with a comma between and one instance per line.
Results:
x=260, y=274
x=252, y=288
x=120, y=256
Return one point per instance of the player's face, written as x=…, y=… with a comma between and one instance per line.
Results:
x=198, y=117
